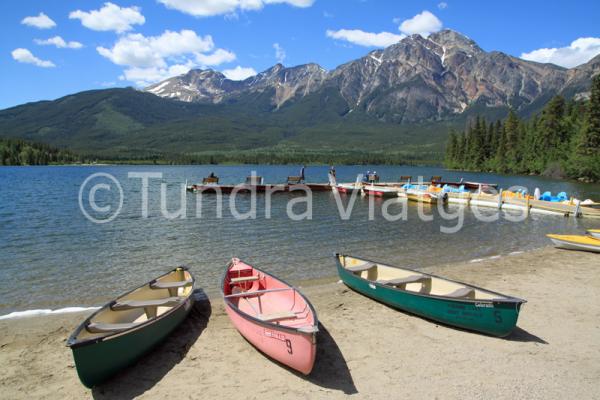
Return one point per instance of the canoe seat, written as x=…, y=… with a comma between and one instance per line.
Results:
x=409, y=279
x=240, y=293
x=277, y=316
x=361, y=267
x=170, y=285
x=99, y=327
x=173, y=287
x=244, y=279
x=462, y=292
x=130, y=304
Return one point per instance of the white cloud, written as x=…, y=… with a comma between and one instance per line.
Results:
x=279, y=53
x=220, y=56
x=137, y=50
x=24, y=56
x=207, y=8
x=295, y=3
x=149, y=59
x=368, y=39
x=578, y=52
x=59, y=42
x=239, y=73
x=423, y=24
x=147, y=76
x=41, y=21
x=111, y=17
x=443, y=5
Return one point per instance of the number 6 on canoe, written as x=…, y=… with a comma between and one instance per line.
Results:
x=433, y=297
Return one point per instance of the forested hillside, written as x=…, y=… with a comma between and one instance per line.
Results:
x=20, y=152
x=562, y=140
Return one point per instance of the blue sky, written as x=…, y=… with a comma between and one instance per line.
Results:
x=81, y=45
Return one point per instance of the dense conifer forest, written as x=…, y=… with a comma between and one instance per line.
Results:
x=21, y=152
x=563, y=140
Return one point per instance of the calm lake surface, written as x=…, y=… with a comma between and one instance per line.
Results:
x=52, y=256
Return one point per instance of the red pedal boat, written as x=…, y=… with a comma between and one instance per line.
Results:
x=272, y=315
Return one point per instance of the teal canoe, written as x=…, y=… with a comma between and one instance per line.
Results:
x=122, y=331
x=439, y=299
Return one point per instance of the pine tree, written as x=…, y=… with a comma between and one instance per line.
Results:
x=511, y=140
x=479, y=147
x=451, y=150
x=586, y=160
x=461, y=145
x=489, y=141
x=590, y=140
x=551, y=134
x=500, y=159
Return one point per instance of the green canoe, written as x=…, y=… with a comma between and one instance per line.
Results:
x=443, y=300
x=123, y=330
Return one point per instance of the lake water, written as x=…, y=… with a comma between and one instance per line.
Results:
x=52, y=256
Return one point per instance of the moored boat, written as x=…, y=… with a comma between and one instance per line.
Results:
x=576, y=242
x=422, y=197
x=379, y=191
x=422, y=193
x=317, y=187
x=348, y=188
x=440, y=299
x=123, y=330
x=595, y=233
x=466, y=184
x=272, y=315
x=211, y=188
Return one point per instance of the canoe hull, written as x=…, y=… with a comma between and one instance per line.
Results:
x=294, y=349
x=383, y=192
x=565, y=244
x=594, y=233
x=489, y=317
x=347, y=189
x=96, y=362
x=422, y=198
x=318, y=187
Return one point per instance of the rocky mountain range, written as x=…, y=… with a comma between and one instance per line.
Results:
x=418, y=79
x=402, y=99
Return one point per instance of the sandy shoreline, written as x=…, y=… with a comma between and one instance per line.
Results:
x=365, y=348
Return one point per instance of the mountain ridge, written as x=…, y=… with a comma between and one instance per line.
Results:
x=403, y=99
x=453, y=72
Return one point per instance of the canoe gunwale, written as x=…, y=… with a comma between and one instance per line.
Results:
x=270, y=325
x=505, y=300
x=73, y=343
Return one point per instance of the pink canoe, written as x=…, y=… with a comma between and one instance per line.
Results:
x=272, y=315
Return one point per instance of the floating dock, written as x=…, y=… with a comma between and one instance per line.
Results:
x=259, y=188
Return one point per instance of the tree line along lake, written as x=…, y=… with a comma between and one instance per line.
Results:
x=52, y=256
